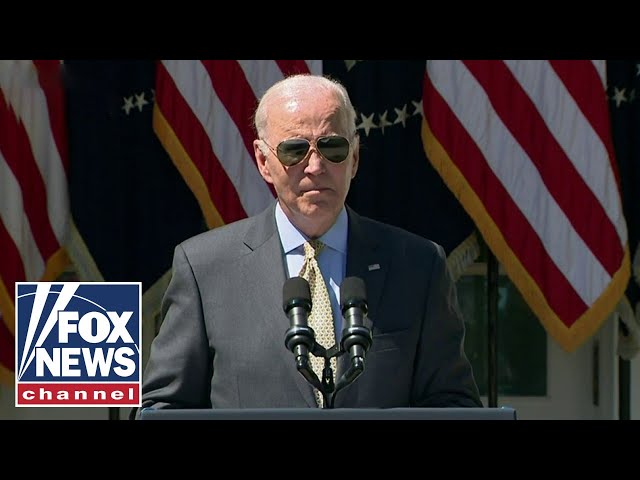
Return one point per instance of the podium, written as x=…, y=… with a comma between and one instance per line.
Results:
x=501, y=413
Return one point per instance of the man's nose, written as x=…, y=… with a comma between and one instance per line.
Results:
x=315, y=162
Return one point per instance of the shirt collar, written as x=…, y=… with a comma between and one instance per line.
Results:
x=292, y=238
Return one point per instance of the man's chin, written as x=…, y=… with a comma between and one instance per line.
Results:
x=316, y=207
x=319, y=211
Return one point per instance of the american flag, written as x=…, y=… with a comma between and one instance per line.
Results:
x=34, y=205
x=203, y=117
x=526, y=146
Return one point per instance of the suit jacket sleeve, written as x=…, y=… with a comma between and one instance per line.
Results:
x=444, y=377
x=178, y=374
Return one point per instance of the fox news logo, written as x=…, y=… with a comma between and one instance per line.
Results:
x=78, y=344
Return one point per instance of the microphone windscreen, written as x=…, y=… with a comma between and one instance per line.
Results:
x=295, y=292
x=353, y=293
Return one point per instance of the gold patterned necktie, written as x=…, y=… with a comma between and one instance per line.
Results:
x=321, y=317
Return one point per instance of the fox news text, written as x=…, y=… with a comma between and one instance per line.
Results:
x=78, y=344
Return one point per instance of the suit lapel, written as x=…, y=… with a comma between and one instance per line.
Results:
x=368, y=259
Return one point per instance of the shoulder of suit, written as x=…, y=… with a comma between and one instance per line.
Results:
x=228, y=233
x=393, y=234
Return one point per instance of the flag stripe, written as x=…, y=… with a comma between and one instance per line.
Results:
x=582, y=209
x=291, y=67
x=50, y=79
x=16, y=224
x=16, y=151
x=193, y=138
x=579, y=78
x=510, y=223
x=11, y=271
x=233, y=90
x=261, y=74
x=7, y=354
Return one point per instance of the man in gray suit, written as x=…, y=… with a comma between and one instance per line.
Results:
x=221, y=343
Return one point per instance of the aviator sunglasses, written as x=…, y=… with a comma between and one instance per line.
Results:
x=292, y=151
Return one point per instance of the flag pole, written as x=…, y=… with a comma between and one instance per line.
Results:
x=492, y=328
x=624, y=389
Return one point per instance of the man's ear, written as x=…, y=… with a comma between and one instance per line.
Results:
x=261, y=159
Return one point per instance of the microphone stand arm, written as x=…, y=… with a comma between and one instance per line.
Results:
x=356, y=340
x=300, y=340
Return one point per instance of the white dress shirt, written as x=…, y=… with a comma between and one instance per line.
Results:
x=332, y=258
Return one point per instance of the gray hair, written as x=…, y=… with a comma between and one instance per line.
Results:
x=293, y=83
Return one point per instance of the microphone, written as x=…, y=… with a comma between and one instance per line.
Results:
x=296, y=300
x=356, y=338
x=299, y=338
